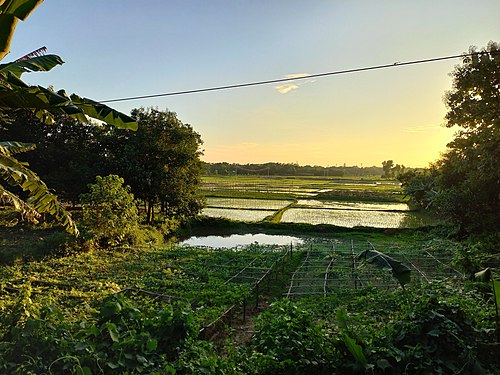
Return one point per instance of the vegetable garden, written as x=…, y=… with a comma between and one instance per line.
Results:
x=334, y=265
x=156, y=310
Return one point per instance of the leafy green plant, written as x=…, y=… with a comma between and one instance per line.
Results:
x=109, y=211
x=384, y=262
x=351, y=344
x=44, y=103
x=126, y=338
x=290, y=341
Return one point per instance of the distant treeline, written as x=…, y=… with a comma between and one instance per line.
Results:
x=289, y=169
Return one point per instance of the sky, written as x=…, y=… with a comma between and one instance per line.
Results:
x=122, y=48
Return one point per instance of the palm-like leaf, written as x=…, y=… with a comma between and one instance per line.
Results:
x=14, y=93
x=33, y=64
x=45, y=103
x=26, y=211
x=384, y=262
x=104, y=113
x=10, y=12
x=40, y=199
x=9, y=148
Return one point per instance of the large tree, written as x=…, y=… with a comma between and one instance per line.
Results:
x=161, y=161
x=464, y=185
x=15, y=94
x=470, y=173
x=69, y=154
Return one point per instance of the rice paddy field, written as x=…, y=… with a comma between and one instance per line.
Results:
x=342, y=202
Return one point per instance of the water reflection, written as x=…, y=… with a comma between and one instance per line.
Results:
x=351, y=218
x=236, y=240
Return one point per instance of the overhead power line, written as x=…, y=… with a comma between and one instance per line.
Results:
x=309, y=76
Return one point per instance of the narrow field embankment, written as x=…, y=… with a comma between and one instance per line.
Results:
x=276, y=217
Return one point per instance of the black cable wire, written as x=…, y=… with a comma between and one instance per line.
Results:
x=266, y=82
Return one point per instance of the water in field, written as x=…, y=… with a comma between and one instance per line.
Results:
x=242, y=203
x=314, y=211
x=386, y=206
x=237, y=240
x=354, y=218
x=237, y=214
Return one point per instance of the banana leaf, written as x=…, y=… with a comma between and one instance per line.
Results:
x=9, y=147
x=45, y=103
x=34, y=64
x=12, y=11
x=40, y=199
x=384, y=262
x=483, y=276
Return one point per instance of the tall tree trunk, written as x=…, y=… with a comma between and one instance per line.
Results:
x=148, y=214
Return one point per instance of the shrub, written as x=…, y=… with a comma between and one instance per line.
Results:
x=109, y=211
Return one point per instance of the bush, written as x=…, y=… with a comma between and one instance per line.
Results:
x=144, y=235
x=109, y=211
x=118, y=338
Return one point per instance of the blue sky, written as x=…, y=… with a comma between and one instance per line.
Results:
x=115, y=49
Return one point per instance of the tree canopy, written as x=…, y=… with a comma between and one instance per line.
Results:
x=464, y=185
x=27, y=192
x=161, y=161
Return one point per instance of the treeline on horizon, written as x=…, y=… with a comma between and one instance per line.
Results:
x=291, y=169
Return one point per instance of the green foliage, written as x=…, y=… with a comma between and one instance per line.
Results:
x=437, y=330
x=45, y=104
x=40, y=199
x=289, y=169
x=463, y=185
x=109, y=210
x=477, y=253
x=145, y=234
x=68, y=154
x=432, y=328
x=391, y=170
x=110, y=311
x=119, y=337
x=470, y=177
x=161, y=161
x=289, y=341
x=420, y=187
x=202, y=357
x=384, y=262
x=351, y=344
x=10, y=13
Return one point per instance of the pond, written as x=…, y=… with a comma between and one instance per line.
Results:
x=238, y=240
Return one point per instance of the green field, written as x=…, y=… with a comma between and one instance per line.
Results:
x=340, y=202
x=296, y=187
x=166, y=308
x=315, y=306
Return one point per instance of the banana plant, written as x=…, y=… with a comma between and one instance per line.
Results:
x=384, y=262
x=46, y=103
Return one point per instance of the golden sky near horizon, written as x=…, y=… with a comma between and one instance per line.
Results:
x=357, y=118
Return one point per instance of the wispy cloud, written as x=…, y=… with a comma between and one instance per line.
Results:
x=286, y=88
x=283, y=89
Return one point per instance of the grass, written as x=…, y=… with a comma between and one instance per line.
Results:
x=24, y=242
